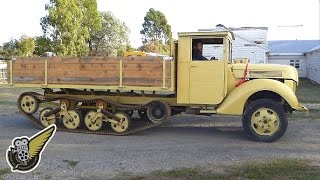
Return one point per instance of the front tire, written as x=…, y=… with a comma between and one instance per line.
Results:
x=264, y=120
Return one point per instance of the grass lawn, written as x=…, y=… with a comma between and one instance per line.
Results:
x=307, y=92
x=276, y=169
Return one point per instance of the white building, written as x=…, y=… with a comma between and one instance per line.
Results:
x=250, y=42
x=294, y=53
x=313, y=64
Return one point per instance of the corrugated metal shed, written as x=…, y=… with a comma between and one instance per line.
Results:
x=292, y=46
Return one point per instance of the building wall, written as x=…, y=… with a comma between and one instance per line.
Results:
x=313, y=66
x=285, y=60
x=250, y=43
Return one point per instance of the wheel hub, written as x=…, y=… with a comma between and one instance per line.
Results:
x=265, y=121
x=158, y=111
x=29, y=104
x=123, y=124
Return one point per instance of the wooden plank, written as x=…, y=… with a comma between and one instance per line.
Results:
x=90, y=74
x=28, y=60
x=28, y=67
x=84, y=80
x=28, y=73
x=94, y=66
x=148, y=74
x=28, y=79
x=142, y=82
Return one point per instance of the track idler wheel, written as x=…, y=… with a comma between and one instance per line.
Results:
x=28, y=103
x=122, y=125
x=47, y=120
x=93, y=120
x=71, y=119
x=158, y=111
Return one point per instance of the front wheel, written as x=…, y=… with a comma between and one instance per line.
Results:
x=264, y=120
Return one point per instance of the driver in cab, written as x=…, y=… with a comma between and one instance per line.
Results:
x=197, y=51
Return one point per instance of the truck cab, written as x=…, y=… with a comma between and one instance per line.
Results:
x=262, y=94
x=203, y=81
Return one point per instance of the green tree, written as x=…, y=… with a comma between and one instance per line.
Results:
x=155, y=46
x=25, y=46
x=155, y=27
x=69, y=24
x=156, y=33
x=112, y=39
x=9, y=49
x=43, y=44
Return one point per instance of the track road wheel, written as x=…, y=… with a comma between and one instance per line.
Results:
x=158, y=111
x=123, y=125
x=29, y=104
x=92, y=122
x=47, y=121
x=264, y=120
x=72, y=119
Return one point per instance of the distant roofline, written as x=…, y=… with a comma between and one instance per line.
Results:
x=295, y=40
x=316, y=48
x=286, y=54
x=245, y=28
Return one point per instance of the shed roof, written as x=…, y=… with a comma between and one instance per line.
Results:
x=314, y=49
x=292, y=46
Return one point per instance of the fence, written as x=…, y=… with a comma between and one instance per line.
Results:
x=3, y=75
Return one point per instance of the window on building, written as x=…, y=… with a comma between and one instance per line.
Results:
x=295, y=63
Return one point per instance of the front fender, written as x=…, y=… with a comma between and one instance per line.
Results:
x=234, y=102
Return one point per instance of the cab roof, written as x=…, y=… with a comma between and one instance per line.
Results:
x=208, y=33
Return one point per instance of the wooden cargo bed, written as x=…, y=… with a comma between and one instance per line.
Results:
x=114, y=73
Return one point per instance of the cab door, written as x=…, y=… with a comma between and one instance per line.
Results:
x=207, y=82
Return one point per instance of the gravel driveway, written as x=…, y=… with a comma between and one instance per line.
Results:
x=186, y=141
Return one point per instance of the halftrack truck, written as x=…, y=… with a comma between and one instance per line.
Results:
x=102, y=95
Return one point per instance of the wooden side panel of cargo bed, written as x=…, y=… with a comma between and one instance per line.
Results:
x=145, y=72
x=93, y=71
x=135, y=71
x=28, y=71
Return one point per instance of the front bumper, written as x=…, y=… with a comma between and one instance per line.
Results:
x=301, y=108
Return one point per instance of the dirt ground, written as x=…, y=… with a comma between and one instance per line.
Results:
x=186, y=141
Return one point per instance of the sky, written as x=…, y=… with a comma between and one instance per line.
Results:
x=285, y=19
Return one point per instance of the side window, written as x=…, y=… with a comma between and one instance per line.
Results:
x=295, y=63
x=207, y=49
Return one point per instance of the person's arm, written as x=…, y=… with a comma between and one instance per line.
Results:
x=197, y=56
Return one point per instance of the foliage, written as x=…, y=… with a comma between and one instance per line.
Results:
x=155, y=47
x=9, y=49
x=25, y=46
x=43, y=45
x=155, y=27
x=156, y=33
x=69, y=24
x=112, y=39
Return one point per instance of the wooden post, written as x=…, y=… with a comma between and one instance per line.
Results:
x=46, y=72
x=163, y=74
x=120, y=75
x=11, y=73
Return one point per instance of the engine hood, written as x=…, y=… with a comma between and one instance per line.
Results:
x=259, y=71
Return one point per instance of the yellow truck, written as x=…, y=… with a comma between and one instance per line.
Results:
x=102, y=95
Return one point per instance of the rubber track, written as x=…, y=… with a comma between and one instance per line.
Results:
x=135, y=126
